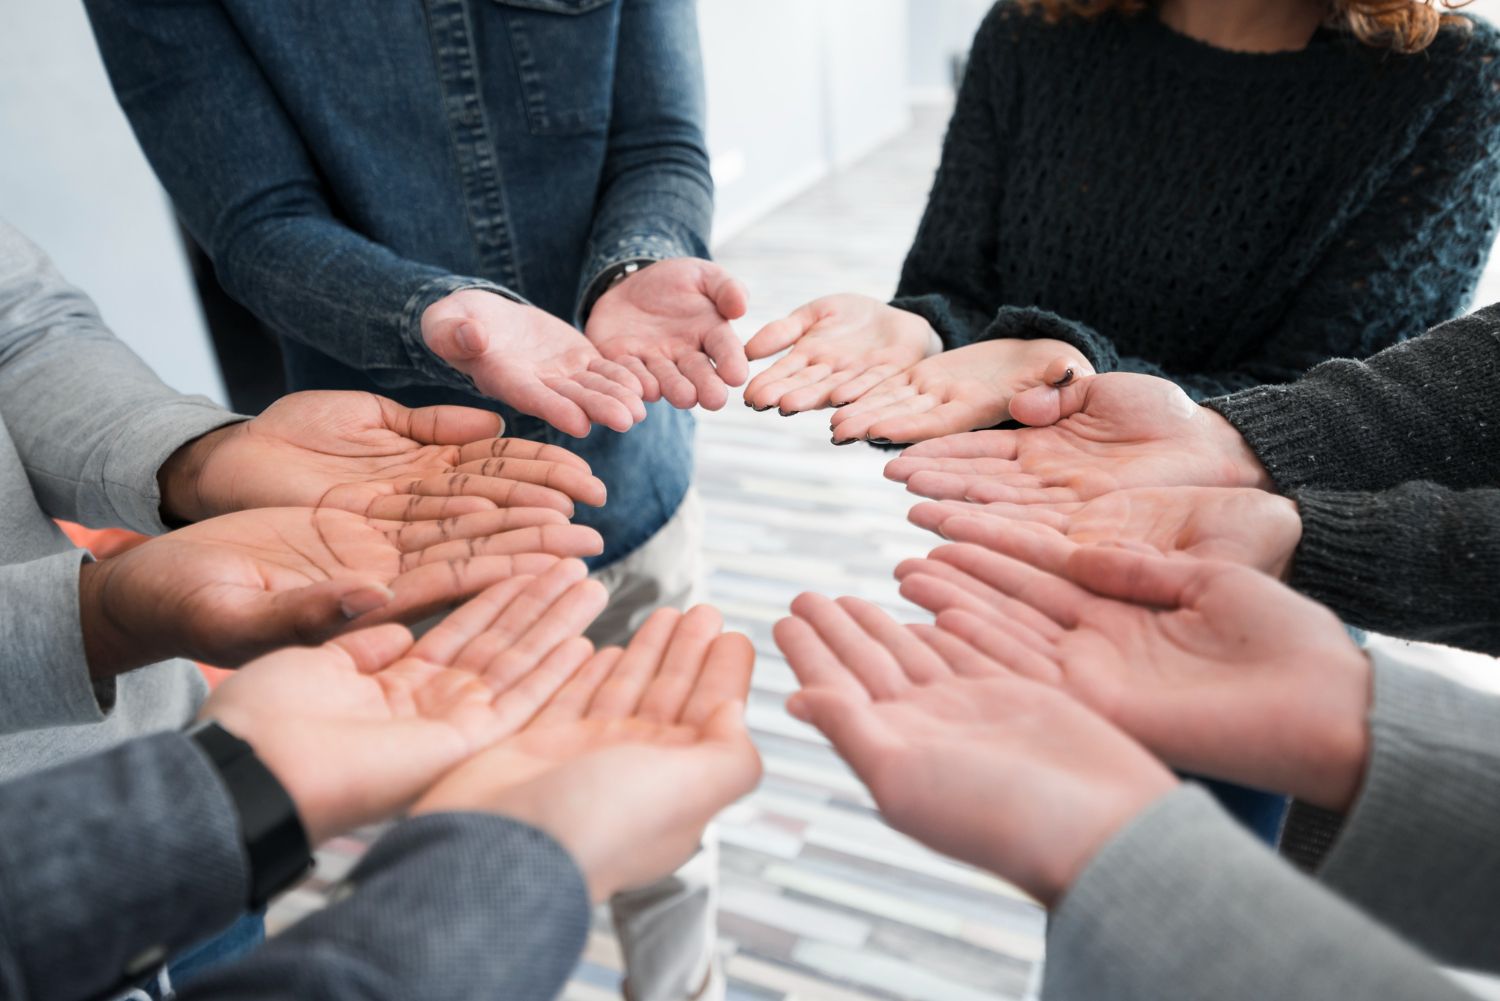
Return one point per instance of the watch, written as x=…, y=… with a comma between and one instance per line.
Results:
x=608, y=279
x=274, y=838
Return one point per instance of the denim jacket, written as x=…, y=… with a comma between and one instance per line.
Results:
x=346, y=163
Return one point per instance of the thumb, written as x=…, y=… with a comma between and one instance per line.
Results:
x=1048, y=404
x=376, y=648
x=848, y=723
x=310, y=615
x=456, y=338
x=778, y=335
x=730, y=295
x=452, y=425
x=1138, y=577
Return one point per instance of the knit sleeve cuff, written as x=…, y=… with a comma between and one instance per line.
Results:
x=1345, y=549
x=1029, y=324
x=1276, y=426
x=1418, y=850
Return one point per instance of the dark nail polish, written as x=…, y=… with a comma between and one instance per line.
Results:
x=1067, y=378
x=749, y=404
x=878, y=441
x=761, y=410
x=787, y=413
x=846, y=441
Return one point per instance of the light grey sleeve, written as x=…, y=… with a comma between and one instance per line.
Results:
x=1421, y=849
x=1184, y=905
x=91, y=422
x=45, y=682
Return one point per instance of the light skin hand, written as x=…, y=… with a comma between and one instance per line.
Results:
x=669, y=325
x=985, y=766
x=632, y=758
x=960, y=390
x=357, y=729
x=1216, y=668
x=1238, y=525
x=532, y=361
x=369, y=455
x=1105, y=432
x=232, y=588
x=842, y=346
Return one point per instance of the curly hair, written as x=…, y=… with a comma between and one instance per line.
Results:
x=1402, y=25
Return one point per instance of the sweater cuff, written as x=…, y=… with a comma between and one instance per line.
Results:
x=129, y=484
x=935, y=309
x=46, y=679
x=433, y=369
x=1183, y=904
x=1347, y=541
x=1418, y=850
x=1028, y=323
x=1276, y=425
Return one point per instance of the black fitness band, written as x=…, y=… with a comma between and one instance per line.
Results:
x=273, y=834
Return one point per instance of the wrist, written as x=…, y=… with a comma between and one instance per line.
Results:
x=186, y=496
x=1340, y=741
x=1242, y=467
x=108, y=645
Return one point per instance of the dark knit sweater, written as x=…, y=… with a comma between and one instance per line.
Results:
x=1394, y=463
x=1221, y=219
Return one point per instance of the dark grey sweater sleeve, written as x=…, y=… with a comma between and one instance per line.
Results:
x=447, y=907
x=1420, y=561
x=1185, y=905
x=112, y=862
x=1425, y=409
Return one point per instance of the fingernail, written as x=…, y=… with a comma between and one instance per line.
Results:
x=846, y=441
x=366, y=599
x=787, y=413
x=878, y=441
x=749, y=404
x=761, y=410
x=1067, y=378
x=468, y=338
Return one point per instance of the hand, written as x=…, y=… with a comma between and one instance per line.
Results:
x=842, y=346
x=531, y=360
x=232, y=588
x=1216, y=668
x=970, y=387
x=632, y=758
x=1116, y=431
x=990, y=768
x=363, y=453
x=669, y=325
x=358, y=728
x=1240, y=525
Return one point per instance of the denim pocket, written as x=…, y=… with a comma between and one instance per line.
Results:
x=565, y=55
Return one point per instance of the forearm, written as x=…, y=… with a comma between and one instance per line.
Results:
x=1426, y=409
x=1419, y=850
x=444, y=906
x=117, y=858
x=1183, y=904
x=1420, y=562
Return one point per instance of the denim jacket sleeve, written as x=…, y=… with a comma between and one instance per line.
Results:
x=193, y=91
x=655, y=196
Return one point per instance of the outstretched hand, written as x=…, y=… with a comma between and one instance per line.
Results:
x=1239, y=525
x=842, y=346
x=369, y=455
x=232, y=588
x=529, y=359
x=356, y=729
x=632, y=758
x=961, y=390
x=669, y=325
x=961, y=754
x=1215, y=667
x=1111, y=432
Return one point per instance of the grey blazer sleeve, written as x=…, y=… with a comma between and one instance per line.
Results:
x=1184, y=905
x=113, y=861
x=91, y=422
x=446, y=907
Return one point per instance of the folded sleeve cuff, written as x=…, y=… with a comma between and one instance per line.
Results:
x=128, y=484
x=1029, y=323
x=418, y=357
x=45, y=681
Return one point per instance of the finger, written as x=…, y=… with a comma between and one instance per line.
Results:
x=456, y=338
x=564, y=541
x=375, y=648
x=917, y=660
x=999, y=641
x=863, y=383
x=621, y=692
x=437, y=587
x=814, y=394
x=920, y=580
x=564, y=621
x=600, y=401
x=519, y=614
x=403, y=506
x=443, y=424
x=725, y=678
x=307, y=616
x=1044, y=550
x=531, y=396
x=763, y=390
x=1057, y=599
x=778, y=335
x=685, y=659
x=1138, y=577
x=812, y=661
x=947, y=419
x=629, y=387
x=723, y=346
x=887, y=394
x=411, y=536
x=501, y=493
x=562, y=477
x=572, y=700
x=650, y=387
x=889, y=415
x=874, y=665
x=731, y=297
x=931, y=514
x=972, y=445
x=445, y=641
x=962, y=659
x=676, y=388
x=521, y=702
x=851, y=725
x=1019, y=490
x=520, y=448
x=794, y=383
x=711, y=391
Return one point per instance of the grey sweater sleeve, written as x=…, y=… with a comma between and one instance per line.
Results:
x=1420, y=561
x=110, y=863
x=91, y=422
x=1425, y=409
x=445, y=907
x=1184, y=905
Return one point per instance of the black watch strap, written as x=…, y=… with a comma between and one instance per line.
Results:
x=274, y=838
x=608, y=279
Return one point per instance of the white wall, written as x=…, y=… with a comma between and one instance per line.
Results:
x=797, y=88
x=73, y=179
x=939, y=30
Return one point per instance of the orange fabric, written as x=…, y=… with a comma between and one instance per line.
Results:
x=107, y=542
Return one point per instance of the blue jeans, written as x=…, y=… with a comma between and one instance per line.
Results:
x=239, y=939
x=1261, y=812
